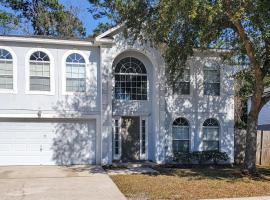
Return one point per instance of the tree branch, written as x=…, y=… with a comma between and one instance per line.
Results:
x=265, y=100
x=242, y=34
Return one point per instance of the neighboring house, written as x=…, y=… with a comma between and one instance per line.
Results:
x=91, y=102
x=264, y=115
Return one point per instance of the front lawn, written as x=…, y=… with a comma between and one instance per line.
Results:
x=193, y=183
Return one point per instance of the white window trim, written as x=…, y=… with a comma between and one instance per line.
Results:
x=27, y=72
x=14, y=63
x=219, y=133
x=147, y=76
x=189, y=134
x=142, y=156
x=220, y=74
x=63, y=77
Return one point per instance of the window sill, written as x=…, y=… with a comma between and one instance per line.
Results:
x=8, y=91
x=49, y=93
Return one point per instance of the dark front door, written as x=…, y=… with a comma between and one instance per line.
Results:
x=130, y=138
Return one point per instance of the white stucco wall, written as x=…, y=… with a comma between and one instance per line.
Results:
x=161, y=108
x=197, y=107
x=56, y=102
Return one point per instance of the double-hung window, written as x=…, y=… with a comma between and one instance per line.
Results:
x=211, y=80
x=75, y=73
x=40, y=72
x=210, y=135
x=183, y=83
x=180, y=136
x=6, y=70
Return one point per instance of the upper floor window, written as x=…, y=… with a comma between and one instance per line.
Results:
x=183, y=83
x=40, y=72
x=75, y=73
x=211, y=80
x=210, y=135
x=130, y=80
x=6, y=70
x=180, y=135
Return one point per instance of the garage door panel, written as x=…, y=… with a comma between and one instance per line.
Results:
x=60, y=143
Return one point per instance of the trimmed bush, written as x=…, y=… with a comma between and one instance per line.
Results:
x=201, y=157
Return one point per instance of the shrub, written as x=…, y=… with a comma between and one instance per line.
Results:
x=201, y=157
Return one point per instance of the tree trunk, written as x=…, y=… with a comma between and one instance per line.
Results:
x=251, y=143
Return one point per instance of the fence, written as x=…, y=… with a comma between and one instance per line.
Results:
x=263, y=148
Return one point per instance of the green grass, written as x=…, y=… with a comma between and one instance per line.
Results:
x=193, y=183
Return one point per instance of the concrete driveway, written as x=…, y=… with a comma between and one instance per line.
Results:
x=57, y=183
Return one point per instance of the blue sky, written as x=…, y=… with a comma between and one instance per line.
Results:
x=83, y=14
x=81, y=9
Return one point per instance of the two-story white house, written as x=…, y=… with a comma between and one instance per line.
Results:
x=95, y=101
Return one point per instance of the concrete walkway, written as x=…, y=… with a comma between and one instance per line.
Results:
x=57, y=183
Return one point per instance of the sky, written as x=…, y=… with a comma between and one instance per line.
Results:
x=81, y=9
x=83, y=14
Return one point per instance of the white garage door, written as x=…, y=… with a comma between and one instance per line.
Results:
x=33, y=143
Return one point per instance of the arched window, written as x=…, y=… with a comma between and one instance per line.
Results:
x=180, y=135
x=40, y=72
x=6, y=70
x=211, y=79
x=130, y=80
x=210, y=135
x=75, y=73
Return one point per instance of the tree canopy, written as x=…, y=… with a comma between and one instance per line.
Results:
x=180, y=26
x=47, y=17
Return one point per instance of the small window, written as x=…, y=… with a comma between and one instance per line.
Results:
x=6, y=70
x=143, y=139
x=211, y=80
x=40, y=72
x=180, y=135
x=210, y=135
x=130, y=80
x=75, y=73
x=116, y=143
x=182, y=85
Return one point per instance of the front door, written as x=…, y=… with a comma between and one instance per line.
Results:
x=130, y=132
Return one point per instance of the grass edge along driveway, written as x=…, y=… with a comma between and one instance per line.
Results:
x=193, y=183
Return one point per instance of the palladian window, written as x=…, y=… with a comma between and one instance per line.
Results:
x=40, y=72
x=210, y=135
x=6, y=70
x=130, y=80
x=180, y=135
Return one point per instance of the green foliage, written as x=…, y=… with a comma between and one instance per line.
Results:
x=7, y=22
x=47, y=17
x=179, y=26
x=201, y=157
x=101, y=28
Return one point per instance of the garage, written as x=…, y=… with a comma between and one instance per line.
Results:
x=47, y=142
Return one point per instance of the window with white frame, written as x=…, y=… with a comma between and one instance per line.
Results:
x=211, y=79
x=39, y=72
x=180, y=136
x=75, y=73
x=130, y=80
x=210, y=135
x=183, y=83
x=6, y=70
